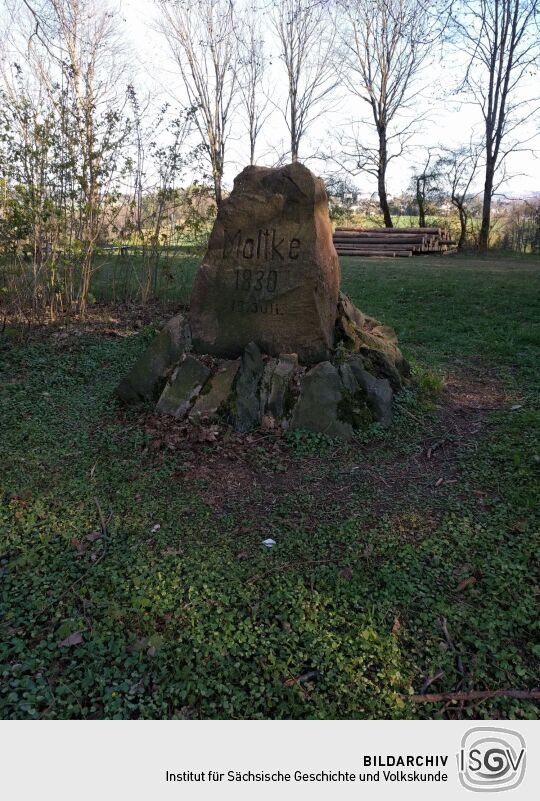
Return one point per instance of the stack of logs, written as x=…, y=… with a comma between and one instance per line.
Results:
x=392, y=241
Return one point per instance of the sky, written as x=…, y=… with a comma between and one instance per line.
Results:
x=449, y=120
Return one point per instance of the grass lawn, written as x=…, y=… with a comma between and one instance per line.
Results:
x=134, y=581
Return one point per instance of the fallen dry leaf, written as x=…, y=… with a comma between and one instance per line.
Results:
x=73, y=639
x=170, y=551
x=207, y=434
x=396, y=626
x=80, y=546
x=465, y=583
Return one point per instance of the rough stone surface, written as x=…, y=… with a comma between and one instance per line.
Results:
x=377, y=343
x=266, y=384
x=380, y=365
x=216, y=391
x=185, y=384
x=378, y=391
x=348, y=378
x=347, y=308
x=279, y=385
x=317, y=407
x=247, y=413
x=271, y=272
x=148, y=375
x=293, y=351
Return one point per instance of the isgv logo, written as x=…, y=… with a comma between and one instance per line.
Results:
x=491, y=759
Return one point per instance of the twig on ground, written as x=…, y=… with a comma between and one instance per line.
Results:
x=104, y=531
x=403, y=409
x=473, y=695
x=431, y=680
x=309, y=674
x=459, y=661
x=102, y=520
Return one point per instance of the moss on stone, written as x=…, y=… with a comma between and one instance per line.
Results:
x=380, y=365
x=353, y=408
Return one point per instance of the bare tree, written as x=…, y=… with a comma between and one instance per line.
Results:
x=252, y=68
x=72, y=55
x=26, y=150
x=89, y=50
x=501, y=41
x=201, y=36
x=425, y=185
x=384, y=46
x=159, y=158
x=457, y=168
x=306, y=35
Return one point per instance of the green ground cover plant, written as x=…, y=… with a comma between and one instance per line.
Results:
x=133, y=579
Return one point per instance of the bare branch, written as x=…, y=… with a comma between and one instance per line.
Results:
x=384, y=46
x=502, y=44
x=201, y=37
x=306, y=36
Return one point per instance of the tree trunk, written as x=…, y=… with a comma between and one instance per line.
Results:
x=383, y=161
x=535, y=244
x=217, y=188
x=294, y=135
x=462, y=226
x=86, y=274
x=420, y=202
x=294, y=147
x=483, y=240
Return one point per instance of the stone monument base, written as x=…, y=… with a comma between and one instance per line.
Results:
x=336, y=397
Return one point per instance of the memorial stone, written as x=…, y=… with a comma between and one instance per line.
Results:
x=271, y=272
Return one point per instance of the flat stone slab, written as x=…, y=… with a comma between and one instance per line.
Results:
x=247, y=412
x=146, y=379
x=271, y=272
x=186, y=382
x=377, y=391
x=279, y=384
x=317, y=408
x=216, y=391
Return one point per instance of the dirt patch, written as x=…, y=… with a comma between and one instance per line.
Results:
x=461, y=416
x=252, y=475
x=102, y=319
x=474, y=388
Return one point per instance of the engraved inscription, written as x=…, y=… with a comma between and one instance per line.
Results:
x=255, y=307
x=251, y=282
x=264, y=245
x=257, y=280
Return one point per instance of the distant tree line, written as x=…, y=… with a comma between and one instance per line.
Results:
x=86, y=158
